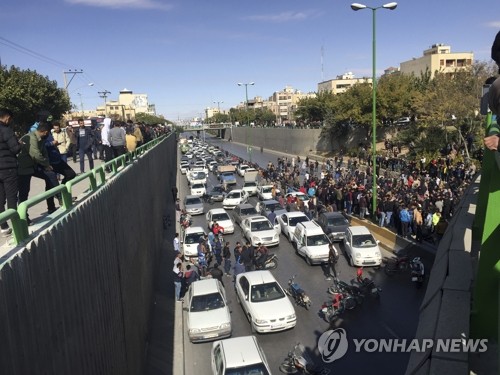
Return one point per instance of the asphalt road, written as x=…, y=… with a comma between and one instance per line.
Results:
x=394, y=315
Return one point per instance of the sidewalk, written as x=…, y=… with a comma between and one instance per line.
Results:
x=38, y=213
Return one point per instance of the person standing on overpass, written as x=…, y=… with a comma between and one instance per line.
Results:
x=84, y=142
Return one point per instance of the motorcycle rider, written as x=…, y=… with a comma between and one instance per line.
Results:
x=217, y=229
x=260, y=255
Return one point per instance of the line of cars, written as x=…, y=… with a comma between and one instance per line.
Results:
x=263, y=300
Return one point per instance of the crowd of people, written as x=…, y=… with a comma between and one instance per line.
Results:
x=44, y=150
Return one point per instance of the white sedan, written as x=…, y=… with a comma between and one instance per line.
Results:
x=198, y=189
x=288, y=222
x=241, y=169
x=234, y=198
x=264, y=302
x=222, y=218
x=258, y=229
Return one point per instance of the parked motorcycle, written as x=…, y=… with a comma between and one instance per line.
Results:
x=270, y=263
x=298, y=360
x=367, y=285
x=353, y=296
x=335, y=307
x=185, y=220
x=417, y=272
x=397, y=265
x=299, y=295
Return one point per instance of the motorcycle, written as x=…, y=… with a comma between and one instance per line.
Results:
x=367, y=285
x=352, y=295
x=298, y=360
x=398, y=265
x=270, y=263
x=299, y=295
x=185, y=220
x=335, y=307
x=417, y=272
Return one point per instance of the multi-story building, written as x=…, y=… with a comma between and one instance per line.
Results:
x=127, y=106
x=438, y=58
x=340, y=84
x=284, y=103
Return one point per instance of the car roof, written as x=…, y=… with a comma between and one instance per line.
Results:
x=295, y=214
x=311, y=226
x=205, y=286
x=259, y=277
x=269, y=201
x=333, y=214
x=194, y=230
x=191, y=196
x=218, y=211
x=240, y=350
x=236, y=191
x=258, y=218
x=359, y=230
x=245, y=205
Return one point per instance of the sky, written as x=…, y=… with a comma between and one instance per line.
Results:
x=188, y=55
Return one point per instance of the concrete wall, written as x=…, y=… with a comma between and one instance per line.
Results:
x=79, y=298
x=295, y=141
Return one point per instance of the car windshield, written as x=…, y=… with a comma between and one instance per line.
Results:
x=295, y=220
x=250, y=184
x=248, y=211
x=255, y=369
x=275, y=206
x=192, y=238
x=363, y=240
x=191, y=201
x=267, y=189
x=207, y=302
x=317, y=240
x=266, y=292
x=258, y=226
x=197, y=186
x=227, y=174
x=337, y=221
x=220, y=217
x=217, y=189
x=199, y=175
x=234, y=195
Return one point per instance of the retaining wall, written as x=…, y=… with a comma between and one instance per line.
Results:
x=77, y=300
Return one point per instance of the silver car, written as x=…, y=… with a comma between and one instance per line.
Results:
x=193, y=205
x=242, y=211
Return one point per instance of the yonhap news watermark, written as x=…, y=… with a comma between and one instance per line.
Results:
x=333, y=345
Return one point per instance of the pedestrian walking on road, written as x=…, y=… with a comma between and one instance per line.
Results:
x=9, y=148
x=177, y=248
x=178, y=277
x=84, y=142
x=175, y=191
x=226, y=254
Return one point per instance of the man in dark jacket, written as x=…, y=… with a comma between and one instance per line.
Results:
x=9, y=148
x=84, y=142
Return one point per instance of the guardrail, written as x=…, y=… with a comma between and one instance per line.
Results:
x=96, y=178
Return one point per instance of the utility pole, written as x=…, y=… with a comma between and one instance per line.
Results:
x=73, y=73
x=104, y=94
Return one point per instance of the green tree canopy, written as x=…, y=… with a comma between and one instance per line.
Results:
x=149, y=119
x=26, y=93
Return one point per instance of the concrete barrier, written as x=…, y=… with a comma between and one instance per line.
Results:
x=78, y=298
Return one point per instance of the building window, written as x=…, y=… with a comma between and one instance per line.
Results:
x=450, y=63
x=441, y=62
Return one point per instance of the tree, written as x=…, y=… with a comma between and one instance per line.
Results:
x=26, y=93
x=150, y=119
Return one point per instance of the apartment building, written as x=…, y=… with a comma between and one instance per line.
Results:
x=127, y=105
x=284, y=103
x=340, y=84
x=437, y=58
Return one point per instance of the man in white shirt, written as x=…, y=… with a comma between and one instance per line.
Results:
x=177, y=248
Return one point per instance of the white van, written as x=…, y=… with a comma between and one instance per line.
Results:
x=250, y=184
x=311, y=242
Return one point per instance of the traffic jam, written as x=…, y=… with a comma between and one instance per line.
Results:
x=249, y=259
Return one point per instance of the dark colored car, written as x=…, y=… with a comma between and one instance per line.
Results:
x=242, y=211
x=217, y=193
x=334, y=224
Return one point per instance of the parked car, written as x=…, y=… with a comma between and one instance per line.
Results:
x=242, y=211
x=311, y=242
x=266, y=206
x=258, y=229
x=264, y=302
x=239, y=355
x=298, y=195
x=234, y=198
x=241, y=169
x=265, y=192
x=198, y=189
x=334, y=224
x=289, y=220
x=361, y=247
x=193, y=205
x=222, y=217
x=217, y=193
x=208, y=316
x=227, y=178
x=190, y=240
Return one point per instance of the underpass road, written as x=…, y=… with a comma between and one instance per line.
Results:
x=394, y=315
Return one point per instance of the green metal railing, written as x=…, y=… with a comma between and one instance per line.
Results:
x=96, y=178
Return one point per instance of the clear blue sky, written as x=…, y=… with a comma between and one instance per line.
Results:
x=187, y=54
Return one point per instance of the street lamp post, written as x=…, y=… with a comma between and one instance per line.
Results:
x=249, y=148
x=355, y=7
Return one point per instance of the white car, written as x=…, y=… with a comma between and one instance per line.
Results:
x=289, y=221
x=208, y=316
x=361, y=247
x=311, y=242
x=264, y=302
x=184, y=167
x=242, y=169
x=234, y=198
x=298, y=195
x=264, y=192
x=189, y=155
x=194, y=177
x=239, y=355
x=198, y=189
x=258, y=229
x=190, y=240
x=250, y=187
x=222, y=218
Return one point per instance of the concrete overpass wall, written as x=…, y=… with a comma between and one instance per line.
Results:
x=77, y=300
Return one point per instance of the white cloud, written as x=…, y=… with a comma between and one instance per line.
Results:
x=284, y=16
x=493, y=24
x=117, y=4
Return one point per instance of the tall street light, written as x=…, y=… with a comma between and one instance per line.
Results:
x=390, y=6
x=249, y=148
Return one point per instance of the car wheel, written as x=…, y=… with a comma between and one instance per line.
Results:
x=351, y=261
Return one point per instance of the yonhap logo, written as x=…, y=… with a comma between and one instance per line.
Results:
x=333, y=344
